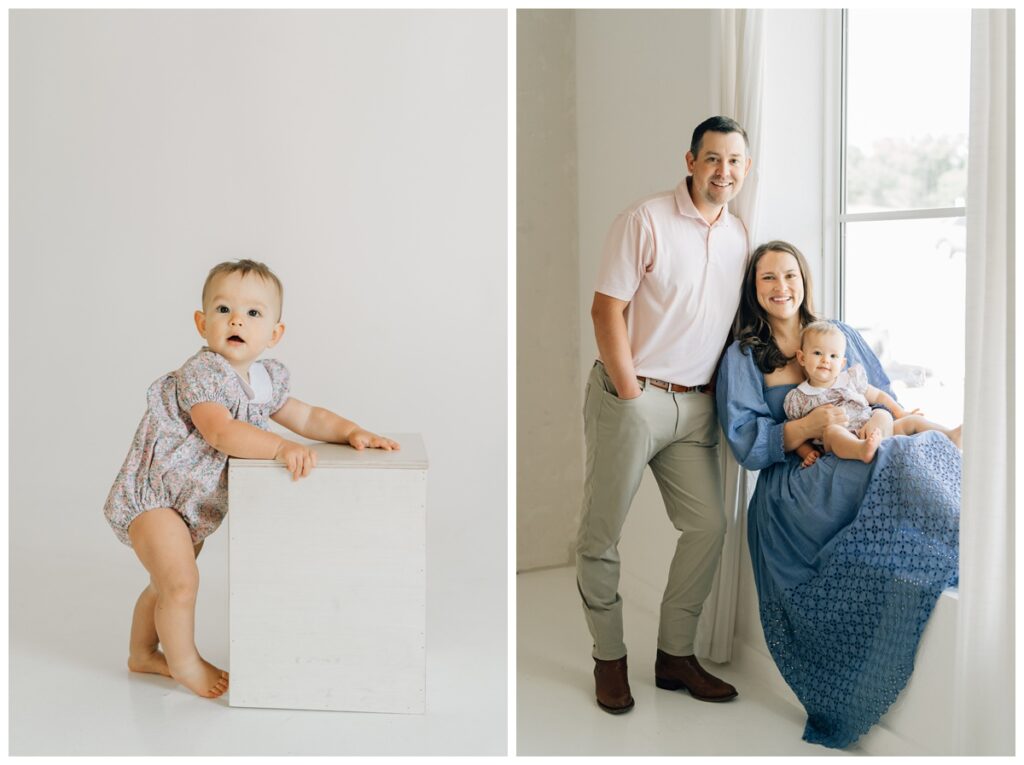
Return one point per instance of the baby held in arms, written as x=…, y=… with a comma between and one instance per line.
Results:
x=172, y=490
x=822, y=356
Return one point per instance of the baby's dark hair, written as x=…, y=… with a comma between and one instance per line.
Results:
x=246, y=266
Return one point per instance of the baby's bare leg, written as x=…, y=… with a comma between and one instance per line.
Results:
x=880, y=420
x=915, y=423
x=846, y=445
x=162, y=542
x=144, y=654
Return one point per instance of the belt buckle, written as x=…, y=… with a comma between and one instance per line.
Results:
x=671, y=387
x=686, y=388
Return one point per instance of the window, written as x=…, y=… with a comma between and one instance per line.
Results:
x=906, y=96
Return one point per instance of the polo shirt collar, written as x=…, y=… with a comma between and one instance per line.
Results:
x=686, y=207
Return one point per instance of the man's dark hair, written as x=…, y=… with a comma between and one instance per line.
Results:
x=716, y=125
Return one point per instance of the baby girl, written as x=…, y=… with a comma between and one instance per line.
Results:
x=822, y=354
x=171, y=492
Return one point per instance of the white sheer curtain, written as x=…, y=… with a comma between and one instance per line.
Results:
x=983, y=685
x=742, y=87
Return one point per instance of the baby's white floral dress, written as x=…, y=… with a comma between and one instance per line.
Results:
x=846, y=393
x=169, y=463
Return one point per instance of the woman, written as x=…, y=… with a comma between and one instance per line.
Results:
x=849, y=558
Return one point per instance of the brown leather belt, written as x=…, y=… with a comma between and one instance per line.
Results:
x=672, y=387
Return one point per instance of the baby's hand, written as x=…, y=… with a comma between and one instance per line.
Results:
x=297, y=458
x=360, y=439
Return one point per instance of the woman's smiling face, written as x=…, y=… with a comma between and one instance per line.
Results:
x=780, y=286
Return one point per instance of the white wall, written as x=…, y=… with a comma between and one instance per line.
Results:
x=362, y=155
x=549, y=433
x=792, y=168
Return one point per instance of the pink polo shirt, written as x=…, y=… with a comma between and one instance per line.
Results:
x=682, y=279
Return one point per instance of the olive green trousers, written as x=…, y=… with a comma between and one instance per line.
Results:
x=677, y=435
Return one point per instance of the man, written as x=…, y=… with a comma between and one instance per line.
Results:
x=667, y=292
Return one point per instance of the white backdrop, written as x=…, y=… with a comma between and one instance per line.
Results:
x=362, y=156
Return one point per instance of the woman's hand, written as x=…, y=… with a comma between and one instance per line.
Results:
x=816, y=422
x=297, y=458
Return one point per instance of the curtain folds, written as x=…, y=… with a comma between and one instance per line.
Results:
x=742, y=35
x=983, y=682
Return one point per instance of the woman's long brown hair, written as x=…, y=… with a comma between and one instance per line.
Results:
x=751, y=327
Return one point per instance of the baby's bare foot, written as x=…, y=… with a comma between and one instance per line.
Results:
x=201, y=678
x=871, y=443
x=954, y=436
x=154, y=662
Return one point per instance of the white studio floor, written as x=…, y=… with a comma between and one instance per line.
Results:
x=555, y=709
x=70, y=692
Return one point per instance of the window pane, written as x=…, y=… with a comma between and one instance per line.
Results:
x=908, y=95
x=904, y=290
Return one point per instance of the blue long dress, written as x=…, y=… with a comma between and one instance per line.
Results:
x=849, y=558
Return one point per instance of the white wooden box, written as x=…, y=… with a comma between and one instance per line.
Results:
x=327, y=581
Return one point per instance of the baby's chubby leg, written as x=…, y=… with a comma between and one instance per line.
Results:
x=915, y=423
x=163, y=544
x=144, y=654
x=880, y=420
x=846, y=445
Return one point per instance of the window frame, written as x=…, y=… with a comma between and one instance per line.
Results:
x=837, y=218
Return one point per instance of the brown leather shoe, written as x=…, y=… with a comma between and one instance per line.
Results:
x=675, y=672
x=612, y=686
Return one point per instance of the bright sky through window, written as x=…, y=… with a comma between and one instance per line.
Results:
x=907, y=113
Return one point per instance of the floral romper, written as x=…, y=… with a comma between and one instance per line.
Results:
x=169, y=463
x=846, y=393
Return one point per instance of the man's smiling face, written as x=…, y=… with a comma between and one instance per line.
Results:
x=240, y=316
x=718, y=169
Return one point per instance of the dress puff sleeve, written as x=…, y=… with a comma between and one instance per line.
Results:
x=280, y=380
x=858, y=378
x=753, y=434
x=859, y=352
x=207, y=376
x=796, y=404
